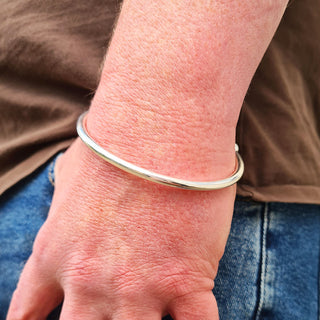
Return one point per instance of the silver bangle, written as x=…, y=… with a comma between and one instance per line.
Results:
x=155, y=177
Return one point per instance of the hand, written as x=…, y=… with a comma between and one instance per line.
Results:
x=118, y=247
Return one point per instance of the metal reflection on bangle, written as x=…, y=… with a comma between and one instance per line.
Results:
x=153, y=176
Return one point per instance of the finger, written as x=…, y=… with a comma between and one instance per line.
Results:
x=137, y=313
x=195, y=306
x=79, y=313
x=82, y=311
x=36, y=294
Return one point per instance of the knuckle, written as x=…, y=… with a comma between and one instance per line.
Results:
x=82, y=272
x=41, y=251
x=180, y=280
x=177, y=285
x=127, y=283
x=169, y=281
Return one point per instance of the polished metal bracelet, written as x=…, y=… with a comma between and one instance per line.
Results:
x=155, y=177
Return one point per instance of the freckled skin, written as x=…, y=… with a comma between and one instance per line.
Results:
x=182, y=85
x=116, y=246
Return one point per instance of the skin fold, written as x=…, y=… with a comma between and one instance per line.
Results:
x=115, y=246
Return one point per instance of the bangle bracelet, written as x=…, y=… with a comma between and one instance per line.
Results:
x=155, y=177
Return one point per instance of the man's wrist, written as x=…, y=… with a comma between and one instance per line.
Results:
x=177, y=146
x=154, y=176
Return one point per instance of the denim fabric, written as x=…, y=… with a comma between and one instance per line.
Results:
x=270, y=269
x=23, y=209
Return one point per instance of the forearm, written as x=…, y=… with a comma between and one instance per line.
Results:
x=174, y=80
x=171, y=89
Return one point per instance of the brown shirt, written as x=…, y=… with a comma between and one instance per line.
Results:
x=50, y=57
x=279, y=127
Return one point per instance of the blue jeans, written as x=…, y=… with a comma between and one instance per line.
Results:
x=270, y=269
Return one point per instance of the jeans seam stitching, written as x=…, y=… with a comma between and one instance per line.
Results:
x=51, y=173
x=263, y=263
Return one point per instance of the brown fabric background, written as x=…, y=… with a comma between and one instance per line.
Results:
x=50, y=57
x=279, y=127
